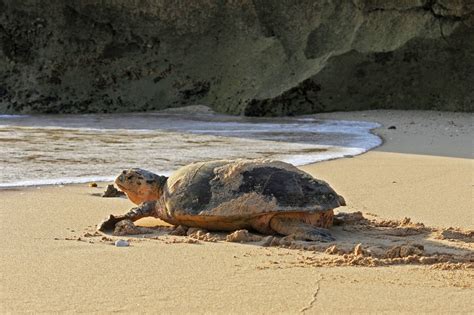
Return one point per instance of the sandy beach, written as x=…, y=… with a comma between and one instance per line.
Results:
x=53, y=260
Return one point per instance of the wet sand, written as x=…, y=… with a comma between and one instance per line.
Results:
x=52, y=260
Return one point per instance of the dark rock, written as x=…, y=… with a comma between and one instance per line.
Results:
x=392, y=127
x=299, y=100
x=199, y=89
x=111, y=192
x=260, y=58
x=3, y=91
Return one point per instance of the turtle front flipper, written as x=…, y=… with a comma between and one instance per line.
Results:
x=299, y=229
x=109, y=223
x=146, y=209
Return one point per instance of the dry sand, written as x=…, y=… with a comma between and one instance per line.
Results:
x=52, y=260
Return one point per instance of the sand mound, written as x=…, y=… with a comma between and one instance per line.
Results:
x=126, y=227
x=456, y=235
x=203, y=235
x=243, y=236
x=405, y=251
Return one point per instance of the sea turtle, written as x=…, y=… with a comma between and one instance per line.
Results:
x=263, y=195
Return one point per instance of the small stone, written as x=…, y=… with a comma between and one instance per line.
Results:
x=121, y=243
x=93, y=185
x=392, y=127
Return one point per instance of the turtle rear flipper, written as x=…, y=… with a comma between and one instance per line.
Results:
x=146, y=209
x=299, y=229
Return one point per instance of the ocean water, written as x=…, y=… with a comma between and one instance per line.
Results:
x=59, y=149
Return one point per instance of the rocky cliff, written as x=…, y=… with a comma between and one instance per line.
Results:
x=253, y=57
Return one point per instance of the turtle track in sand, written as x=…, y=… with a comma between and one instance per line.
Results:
x=361, y=240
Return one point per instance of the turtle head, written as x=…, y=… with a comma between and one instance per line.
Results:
x=141, y=185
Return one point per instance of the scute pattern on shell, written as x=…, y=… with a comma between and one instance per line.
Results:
x=245, y=188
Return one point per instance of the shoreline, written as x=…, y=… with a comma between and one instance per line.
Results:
x=43, y=156
x=454, y=130
x=57, y=264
